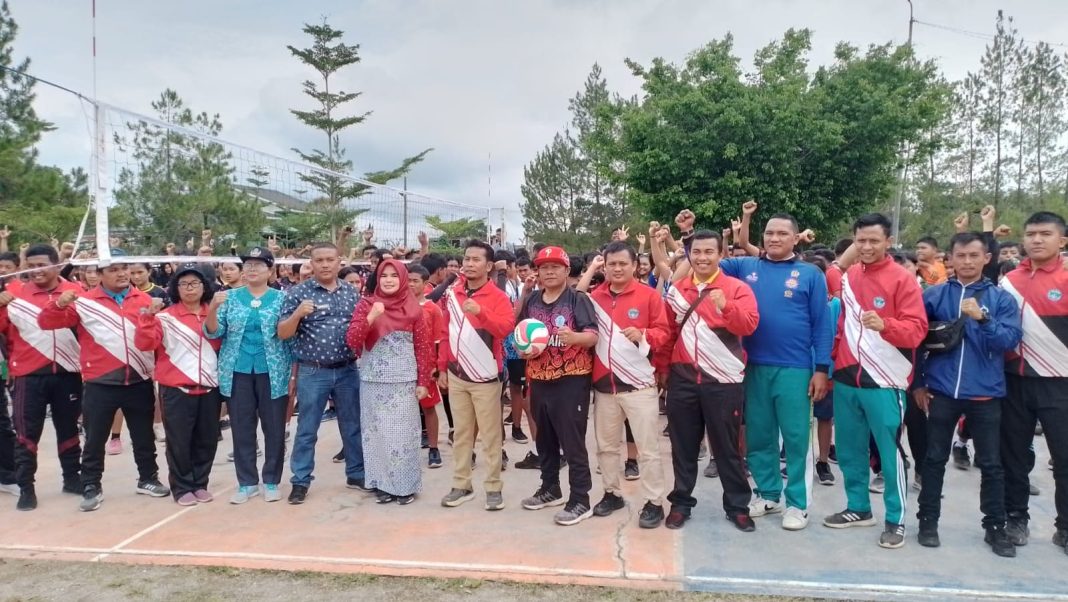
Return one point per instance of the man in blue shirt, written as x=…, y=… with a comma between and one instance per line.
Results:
x=316, y=315
x=789, y=360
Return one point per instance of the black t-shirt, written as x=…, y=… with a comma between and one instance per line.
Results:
x=574, y=310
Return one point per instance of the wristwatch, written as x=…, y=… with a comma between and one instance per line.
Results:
x=986, y=316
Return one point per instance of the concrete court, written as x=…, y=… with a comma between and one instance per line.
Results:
x=345, y=531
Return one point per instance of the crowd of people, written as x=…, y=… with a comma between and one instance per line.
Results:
x=746, y=349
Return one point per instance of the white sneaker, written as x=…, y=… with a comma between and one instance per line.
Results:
x=878, y=484
x=761, y=507
x=243, y=494
x=794, y=519
x=11, y=488
x=161, y=435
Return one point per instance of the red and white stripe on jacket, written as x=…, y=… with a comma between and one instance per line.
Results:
x=474, y=348
x=709, y=344
x=32, y=349
x=619, y=365
x=185, y=358
x=105, y=332
x=1042, y=294
x=865, y=358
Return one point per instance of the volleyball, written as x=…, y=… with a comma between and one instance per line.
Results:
x=531, y=336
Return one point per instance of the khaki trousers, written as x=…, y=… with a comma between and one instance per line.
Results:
x=476, y=404
x=642, y=409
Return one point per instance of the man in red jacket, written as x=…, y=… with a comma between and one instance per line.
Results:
x=710, y=313
x=882, y=323
x=479, y=316
x=1037, y=374
x=631, y=323
x=44, y=374
x=117, y=375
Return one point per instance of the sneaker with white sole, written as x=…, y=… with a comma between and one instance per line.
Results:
x=794, y=519
x=153, y=488
x=159, y=432
x=763, y=507
x=271, y=493
x=544, y=498
x=11, y=488
x=893, y=536
x=244, y=493
x=91, y=499
x=847, y=518
x=573, y=514
x=878, y=484
x=455, y=497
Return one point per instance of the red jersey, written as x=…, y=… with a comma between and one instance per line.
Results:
x=30, y=349
x=1040, y=293
x=619, y=365
x=185, y=357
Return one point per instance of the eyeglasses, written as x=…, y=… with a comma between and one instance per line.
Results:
x=189, y=286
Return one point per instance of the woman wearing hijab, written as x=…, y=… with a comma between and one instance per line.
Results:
x=188, y=377
x=391, y=337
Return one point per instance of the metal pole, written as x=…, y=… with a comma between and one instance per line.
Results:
x=404, y=196
x=904, y=157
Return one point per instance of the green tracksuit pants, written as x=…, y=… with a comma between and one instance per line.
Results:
x=776, y=402
x=858, y=412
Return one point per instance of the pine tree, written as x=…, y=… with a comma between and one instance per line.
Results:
x=327, y=55
x=998, y=65
x=181, y=184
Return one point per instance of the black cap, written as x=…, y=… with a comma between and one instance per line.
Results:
x=261, y=254
x=187, y=268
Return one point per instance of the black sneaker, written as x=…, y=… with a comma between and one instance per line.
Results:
x=504, y=461
x=1017, y=531
x=72, y=485
x=893, y=536
x=928, y=536
x=544, y=498
x=450, y=436
x=92, y=497
x=519, y=436
x=832, y=455
x=573, y=514
x=960, y=456
x=329, y=414
x=608, y=504
x=339, y=457
x=651, y=517
x=531, y=462
x=1060, y=538
x=508, y=418
x=224, y=424
x=298, y=495
x=153, y=488
x=999, y=542
x=824, y=474
x=352, y=484
x=425, y=440
x=847, y=518
x=630, y=470
x=27, y=498
x=712, y=470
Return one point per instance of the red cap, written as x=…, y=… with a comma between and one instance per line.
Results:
x=552, y=255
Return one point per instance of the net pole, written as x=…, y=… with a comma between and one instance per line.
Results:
x=103, y=245
x=404, y=201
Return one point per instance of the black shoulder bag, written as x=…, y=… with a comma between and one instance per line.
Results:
x=943, y=337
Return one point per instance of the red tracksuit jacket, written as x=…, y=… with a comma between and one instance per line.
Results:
x=474, y=349
x=708, y=347
x=868, y=359
x=185, y=358
x=30, y=349
x=106, y=332
x=1040, y=293
x=620, y=366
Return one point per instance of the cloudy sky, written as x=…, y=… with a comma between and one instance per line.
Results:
x=473, y=79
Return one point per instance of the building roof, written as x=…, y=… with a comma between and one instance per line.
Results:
x=275, y=197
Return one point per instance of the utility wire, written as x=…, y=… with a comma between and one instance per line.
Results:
x=980, y=35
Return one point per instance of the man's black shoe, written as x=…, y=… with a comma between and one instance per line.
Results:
x=298, y=495
x=530, y=461
x=651, y=517
x=608, y=504
x=928, y=536
x=354, y=484
x=743, y=521
x=999, y=542
x=1017, y=531
x=72, y=485
x=27, y=498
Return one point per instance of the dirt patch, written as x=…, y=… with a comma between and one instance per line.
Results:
x=25, y=581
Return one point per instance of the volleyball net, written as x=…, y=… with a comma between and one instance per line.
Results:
x=158, y=182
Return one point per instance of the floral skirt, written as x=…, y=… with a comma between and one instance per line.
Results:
x=389, y=420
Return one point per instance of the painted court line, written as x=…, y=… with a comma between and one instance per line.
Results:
x=824, y=587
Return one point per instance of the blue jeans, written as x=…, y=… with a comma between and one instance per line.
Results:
x=314, y=386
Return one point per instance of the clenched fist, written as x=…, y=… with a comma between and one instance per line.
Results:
x=872, y=321
x=66, y=298
x=685, y=220
x=306, y=308
x=218, y=300
x=471, y=307
x=376, y=310
x=717, y=297
x=749, y=207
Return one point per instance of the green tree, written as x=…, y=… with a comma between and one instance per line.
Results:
x=39, y=202
x=821, y=147
x=181, y=183
x=327, y=55
x=999, y=63
x=454, y=233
